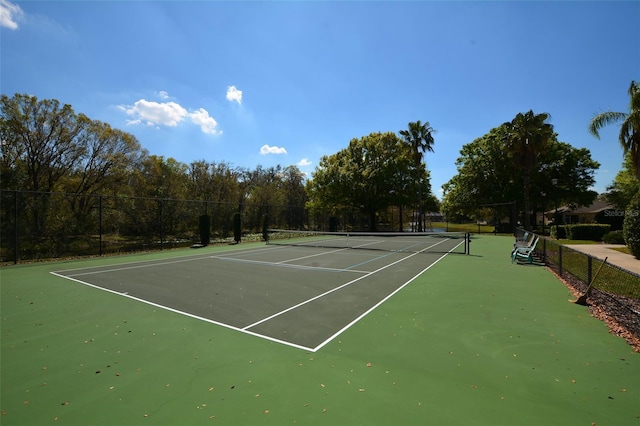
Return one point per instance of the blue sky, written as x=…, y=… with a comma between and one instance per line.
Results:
x=267, y=83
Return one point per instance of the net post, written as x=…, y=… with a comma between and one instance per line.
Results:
x=467, y=243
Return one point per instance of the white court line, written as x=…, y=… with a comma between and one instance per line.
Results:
x=313, y=255
x=245, y=329
x=277, y=314
x=346, y=327
x=286, y=265
x=184, y=313
x=153, y=262
x=125, y=268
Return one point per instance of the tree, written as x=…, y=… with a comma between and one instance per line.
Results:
x=420, y=138
x=106, y=159
x=573, y=167
x=629, y=136
x=624, y=187
x=527, y=138
x=371, y=174
x=217, y=183
x=41, y=137
x=263, y=188
x=485, y=178
x=47, y=148
x=155, y=185
x=295, y=196
x=631, y=226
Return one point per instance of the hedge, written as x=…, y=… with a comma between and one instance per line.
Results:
x=587, y=231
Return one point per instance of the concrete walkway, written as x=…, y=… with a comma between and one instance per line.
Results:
x=600, y=251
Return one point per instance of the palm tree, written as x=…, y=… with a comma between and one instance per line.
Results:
x=527, y=138
x=420, y=137
x=629, y=136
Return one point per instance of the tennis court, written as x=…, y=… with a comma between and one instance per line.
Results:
x=300, y=290
x=473, y=340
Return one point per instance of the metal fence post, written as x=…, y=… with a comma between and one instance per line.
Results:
x=100, y=225
x=161, y=224
x=560, y=260
x=15, y=227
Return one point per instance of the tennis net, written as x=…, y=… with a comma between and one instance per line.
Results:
x=409, y=242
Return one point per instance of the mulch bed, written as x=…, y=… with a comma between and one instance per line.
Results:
x=621, y=314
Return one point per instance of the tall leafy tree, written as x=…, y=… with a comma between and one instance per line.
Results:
x=41, y=137
x=371, y=174
x=484, y=177
x=574, y=170
x=107, y=157
x=625, y=185
x=419, y=136
x=48, y=148
x=629, y=136
x=528, y=136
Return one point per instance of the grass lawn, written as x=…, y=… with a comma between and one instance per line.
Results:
x=567, y=242
x=623, y=249
x=463, y=227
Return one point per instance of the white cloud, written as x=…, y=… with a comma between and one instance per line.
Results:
x=207, y=123
x=163, y=94
x=154, y=113
x=10, y=14
x=234, y=95
x=266, y=149
x=169, y=114
x=304, y=162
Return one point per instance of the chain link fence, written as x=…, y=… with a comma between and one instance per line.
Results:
x=38, y=226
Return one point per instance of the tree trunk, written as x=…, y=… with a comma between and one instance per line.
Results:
x=527, y=201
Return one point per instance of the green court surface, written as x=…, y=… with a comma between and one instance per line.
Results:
x=469, y=340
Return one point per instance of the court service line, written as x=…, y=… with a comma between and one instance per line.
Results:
x=125, y=268
x=388, y=254
x=167, y=308
x=153, y=262
x=277, y=314
x=346, y=327
x=285, y=265
x=312, y=255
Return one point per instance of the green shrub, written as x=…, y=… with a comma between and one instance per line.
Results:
x=631, y=226
x=204, y=227
x=614, y=237
x=265, y=227
x=588, y=231
x=237, y=227
x=559, y=232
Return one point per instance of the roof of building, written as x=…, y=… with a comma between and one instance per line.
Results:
x=596, y=207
